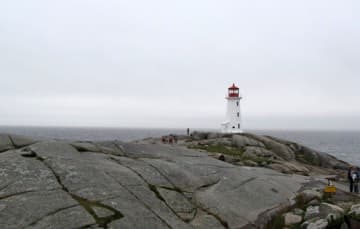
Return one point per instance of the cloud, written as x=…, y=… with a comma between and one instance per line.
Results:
x=160, y=63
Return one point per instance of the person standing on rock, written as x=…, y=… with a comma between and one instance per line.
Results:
x=356, y=179
x=353, y=175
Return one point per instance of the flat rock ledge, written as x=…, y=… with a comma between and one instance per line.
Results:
x=63, y=184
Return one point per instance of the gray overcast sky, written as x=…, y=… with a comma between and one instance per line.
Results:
x=168, y=63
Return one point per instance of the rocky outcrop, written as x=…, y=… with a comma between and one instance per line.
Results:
x=255, y=151
x=282, y=150
x=310, y=194
x=8, y=142
x=318, y=224
x=264, y=151
x=337, y=210
x=289, y=167
x=291, y=219
x=5, y=143
x=312, y=212
x=243, y=141
x=331, y=212
x=61, y=184
x=354, y=216
x=74, y=184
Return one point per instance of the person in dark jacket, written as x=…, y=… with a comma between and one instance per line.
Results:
x=353, y=177
x=351, y=187
x=356, y=179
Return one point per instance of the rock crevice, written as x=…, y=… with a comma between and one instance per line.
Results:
x=86, y=204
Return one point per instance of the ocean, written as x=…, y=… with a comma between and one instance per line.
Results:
x=344, y=145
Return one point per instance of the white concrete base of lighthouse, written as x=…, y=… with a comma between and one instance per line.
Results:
x=227, y=128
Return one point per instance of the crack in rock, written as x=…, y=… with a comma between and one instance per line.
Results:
x=152, y=188
x=207, y=210
x=223, y=222
x=6, y=185
x=86, y=204
x=86, y=226
x=11, y=140
x=141, y=201
x=218, y=218
x=156, y=192
x=16, y=194
x=50, y=214
x=245, y=182
x=6, y=143
x=206, y=186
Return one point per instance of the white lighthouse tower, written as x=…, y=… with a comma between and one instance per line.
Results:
x=233, y=115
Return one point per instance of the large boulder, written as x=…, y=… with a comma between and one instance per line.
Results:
x=85, y=146
x=298, y=211
x=255, y=151
x=213, y=135
x=21, y=141
x=197, y=135
x=301, y=153
x=312, y=212
x=271, y=147
x=8, y=142
x=354, y=216
x=5, y=143
x=318, y=224
x=331, y=212
x=313, y=157
x=241, y=141
x=332, y=162
x=289, y=167
x=282, y=150
x=355, y=210
x=310, y=194
x=291, y=219
x=218, y=141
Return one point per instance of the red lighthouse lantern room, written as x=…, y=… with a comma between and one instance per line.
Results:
x=233, y=91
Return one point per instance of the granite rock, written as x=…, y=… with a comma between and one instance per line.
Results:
x=64, y=184
x=291, y=219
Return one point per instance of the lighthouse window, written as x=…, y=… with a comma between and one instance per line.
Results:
x=238, y=126
x=237, y=103
x=238, y=114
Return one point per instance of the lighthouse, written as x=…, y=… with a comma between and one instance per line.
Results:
x=233, y=115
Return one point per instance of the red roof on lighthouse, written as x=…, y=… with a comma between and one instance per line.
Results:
x=233, y=87
x=233, y=91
